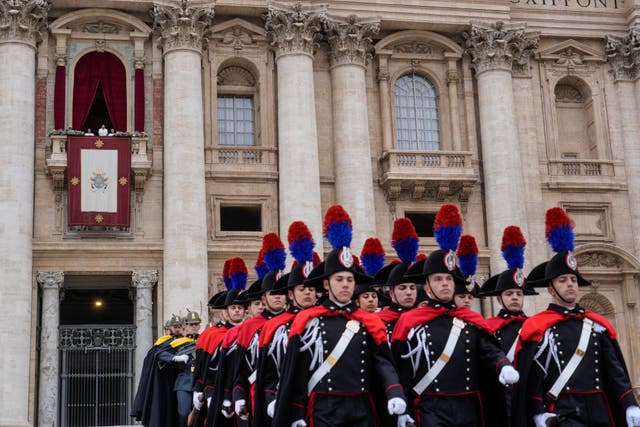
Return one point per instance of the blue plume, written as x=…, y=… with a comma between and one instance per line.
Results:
x=561, y=239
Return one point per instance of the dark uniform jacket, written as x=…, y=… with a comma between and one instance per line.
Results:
x=313, y=336
x=223, y=381
x=418, y=341
x=600, y=387
x=390, y=316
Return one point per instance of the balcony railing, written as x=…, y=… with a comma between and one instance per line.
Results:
x=247, y=161
x=596, y=175
x=581, y=167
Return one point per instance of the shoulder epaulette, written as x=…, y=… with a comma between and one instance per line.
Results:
x=163, y=339
x=181, y=341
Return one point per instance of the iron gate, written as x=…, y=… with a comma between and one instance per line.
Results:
x=96, y=374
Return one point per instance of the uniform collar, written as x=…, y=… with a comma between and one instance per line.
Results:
x=576, y=311
x=267, y=314
x=397, y=308
x=293, y=309
x=437, y=304
x=505, y=314
x=348, y=308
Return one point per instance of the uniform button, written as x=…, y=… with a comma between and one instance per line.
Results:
x=466, y=332
x=361, y=371
x=467, y=350
x=468, y=379
x=597, y=379
x=467, y=388
x=560, y=352
x=428, y=335
x=597, y=387
x=568, y=388
x=324, y=332
x=362, y=362
x=326, y=351
x=430, y=343
x=431, y=352
x=468, y=360
x=468, y=341
x=426, y=326
x=364, y=342
x=324, y=341
x=437, y=389
x=328, y=380
x=362, y=389
x=595, y=352
x=361, y=380
x=330, y=389
x=596, y=369
x=435, y=381
x=362, y=352
x=468, y=369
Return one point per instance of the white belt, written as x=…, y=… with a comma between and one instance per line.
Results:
x=565, y=375
x=512, y=350
x=432, y=373
x=352, y=328
x=252, y=377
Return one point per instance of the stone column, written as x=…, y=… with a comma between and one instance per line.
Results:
x=49, y=376
x=182, y=30
x=293, y=33
x=22, y=22
x=452, y=84
x=143, y=282
x=385, y=104
x=493, y=49
x=351, y=50
x=623, y=56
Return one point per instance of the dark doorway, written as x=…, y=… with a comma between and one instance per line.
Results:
x=96, y=307
x=98, y=113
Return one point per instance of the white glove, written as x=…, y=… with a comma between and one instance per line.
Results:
x=184, y=358
x=403, y=420
x=226, y=409
x=241, y=409
x=541, y=419
x=396, y=406
x=198, y=399
x=271, y=409
x=633, y=416
x=508, y=375
x=299, y=423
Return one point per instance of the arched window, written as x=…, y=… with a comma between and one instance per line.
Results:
x=416, y=102
x=99, y=92
x=575, y=118
x=236, y=113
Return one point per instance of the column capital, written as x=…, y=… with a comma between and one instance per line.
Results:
x=50, y=279
x=350, y=40
x=144, y=279
x=295, y=29
x=23, y=21
x=183, y=26
x=623, y=54
x=499, y=46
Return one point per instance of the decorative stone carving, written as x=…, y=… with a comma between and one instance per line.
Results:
x=144, y=278
x=236, y=76
x=182, y=27
x=415, y=46
x=23, y=20
x=350, y=40
x=570, y=58
x=598, y=303
x=295, y=29
x=500, y=46
x=237, y=37
x=567, y=93
x=50, y=279
x=598, y=259
x=101, y=27
x=623, y=54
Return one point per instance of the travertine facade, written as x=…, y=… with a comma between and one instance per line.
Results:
x=538, y=105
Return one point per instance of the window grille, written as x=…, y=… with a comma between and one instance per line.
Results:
x=235, y=120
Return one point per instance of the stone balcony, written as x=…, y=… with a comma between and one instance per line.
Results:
x=428, y=175
x=56, y=160
x=241, y=162
x=596, y=175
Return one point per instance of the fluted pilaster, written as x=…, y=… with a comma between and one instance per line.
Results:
x=50, y=282
x=143, y=282
x=293, y=33
x=351, y=48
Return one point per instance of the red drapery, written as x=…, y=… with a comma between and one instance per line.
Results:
x=139, y=100
x=100, y=68
x=59, y=97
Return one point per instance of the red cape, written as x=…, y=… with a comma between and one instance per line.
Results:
x=371, y=322
x=535, y=326
x=230, y=336
x=272, y=325
x=249, y=328
x=388, y=316
x=204, y=337
x=496, y=323
x=215, y=339
x=418, y=316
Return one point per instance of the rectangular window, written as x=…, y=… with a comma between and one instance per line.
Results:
x=241, y=218
x=235, y=121
x=423, y=222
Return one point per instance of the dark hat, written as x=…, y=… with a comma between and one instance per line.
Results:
x=217, y=299
x=513, y=245
x=234, y=297
x=175, y=320
x=192, y=317
x=421, y=295
x=559, y=234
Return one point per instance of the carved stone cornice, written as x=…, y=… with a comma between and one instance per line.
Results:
x=500, y=46
x=182, y=27
x=50, y=279
x=350, y=40
x=598, y=260
x=144, y=278
x=23, y=20
x=623, y=54
x=295, y=29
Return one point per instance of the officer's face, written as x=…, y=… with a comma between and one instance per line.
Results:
x=274, y=302
x=440, y=286
x=463, y=300
x=404, y=294
x=566, y=286
x=255, y=308
x=368, y=301
x=303, y=296
x=512, y=299
x=235, y=313
x=192, y=328
x=175, y=330
x=340, y=287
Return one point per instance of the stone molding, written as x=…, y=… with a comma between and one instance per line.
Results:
x=350, y=40
x=50, y=279
x=295, y=30
x=623, y=54
x=500, y=46
x=598, y=260
x=144, y=279
x=182, y=27
x=23, y=20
